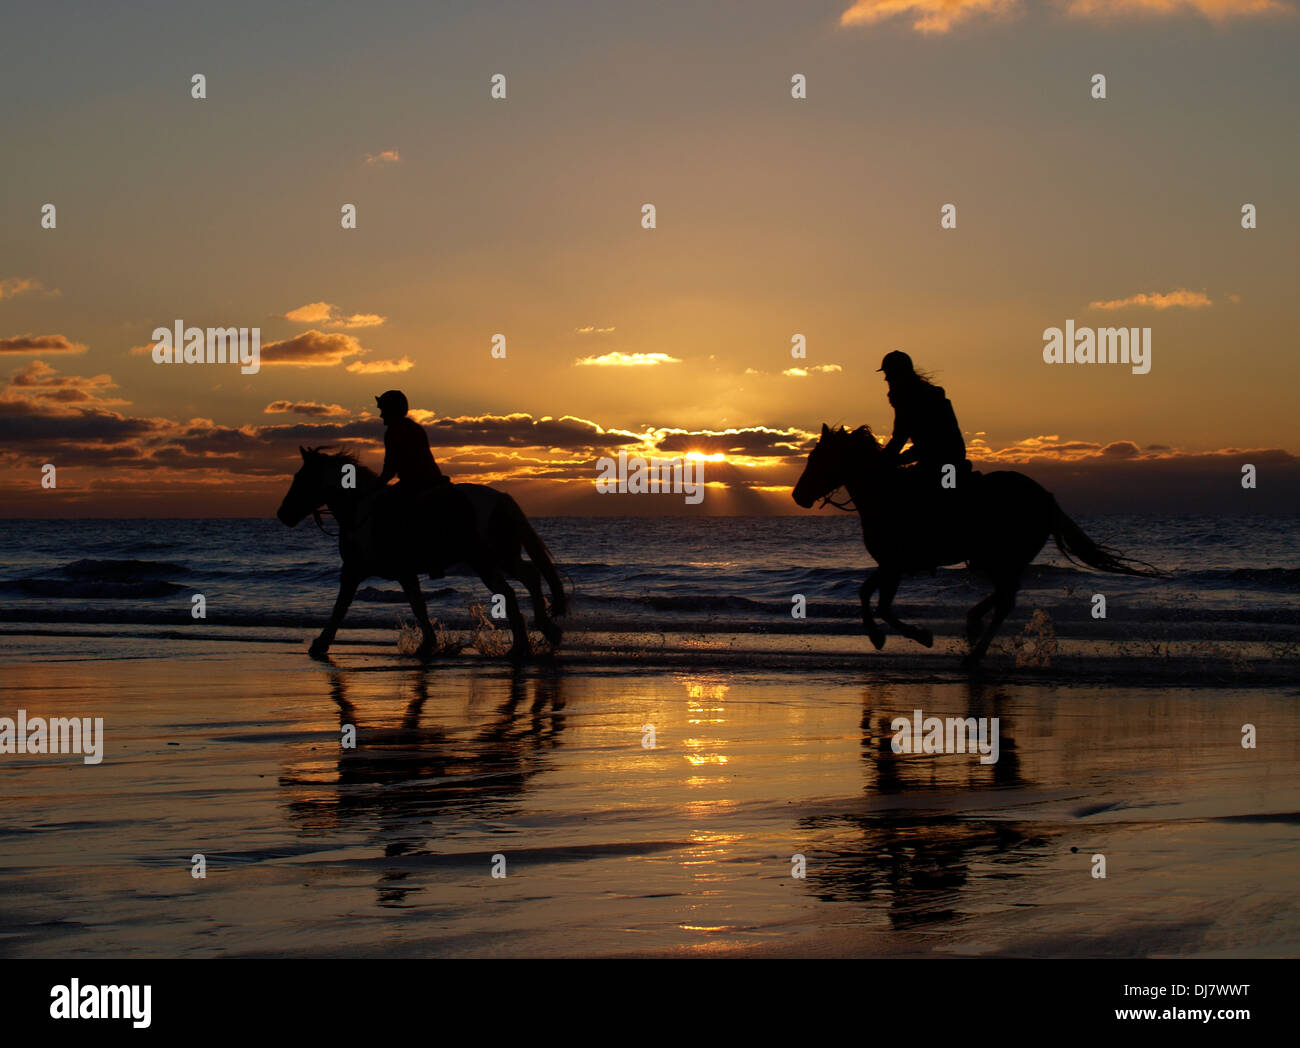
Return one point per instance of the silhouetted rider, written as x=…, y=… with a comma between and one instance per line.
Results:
x=406, y=448
x=923, y=414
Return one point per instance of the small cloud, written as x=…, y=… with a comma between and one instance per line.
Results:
x=329, y=315
x=1156, y=300
x=589, y=330
x=930, y=16
x=1234, y=299
x=1121, y=449
x=40, y=344
x=387, y=157
x=309, y=408
x=940, y=16
x=12, y=287
x=38, y=381
x=312, y=349
x=820, y=369
x=380, y=367
x=626, y=360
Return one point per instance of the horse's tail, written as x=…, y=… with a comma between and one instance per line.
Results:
x=541, y=557
x=1078, y=548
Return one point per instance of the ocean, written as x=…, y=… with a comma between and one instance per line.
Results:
x=641, y=583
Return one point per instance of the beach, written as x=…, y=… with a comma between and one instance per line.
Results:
x=233, y=749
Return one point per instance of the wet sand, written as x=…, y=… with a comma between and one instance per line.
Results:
x=232, y=751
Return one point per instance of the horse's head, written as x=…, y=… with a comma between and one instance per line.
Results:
x=838, y=457
x=309, y=489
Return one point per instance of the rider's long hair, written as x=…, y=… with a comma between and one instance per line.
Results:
x=919, y=381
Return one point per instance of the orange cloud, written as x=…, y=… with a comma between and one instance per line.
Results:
x=380, y=367
x=39, y=381
x=930, y=16
x=12, y=287
x=330, y=315
x=388, y=156
x=309, y=408
x=819, y=369
x=37, y=344
x=1215, y=10
x=626, y=360
x=312, y=349
x=940, y=16
x=1156, y=300
x=592, y=330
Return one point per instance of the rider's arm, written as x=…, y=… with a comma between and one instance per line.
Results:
x=899, y=437
x=390, y=471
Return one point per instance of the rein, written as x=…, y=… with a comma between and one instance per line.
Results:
x=315, y=515
x=846, y=505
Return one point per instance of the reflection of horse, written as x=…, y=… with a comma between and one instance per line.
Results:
x=996, y=523
x=417, y=781
x=382, y=533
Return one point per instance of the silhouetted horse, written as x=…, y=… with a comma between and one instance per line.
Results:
x=383, y=534
x=997, y=523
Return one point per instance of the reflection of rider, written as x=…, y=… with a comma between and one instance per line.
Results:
x=922, y=414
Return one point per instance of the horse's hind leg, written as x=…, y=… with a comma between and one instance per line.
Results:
x=975, y=618
x=532, y=578
x=496, y=583
x=429, y=643
x=1004, y=600
x=917, y=633
x=348, y=583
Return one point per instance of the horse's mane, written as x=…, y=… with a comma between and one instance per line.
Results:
x=342, y=457
x=862, y=433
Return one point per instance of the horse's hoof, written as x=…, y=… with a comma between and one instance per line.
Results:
x=518, y=653
x=426, y=650
x=319, y=649
x=877, y=639
x=969, y=664
x=553, y=636
x=925, y=638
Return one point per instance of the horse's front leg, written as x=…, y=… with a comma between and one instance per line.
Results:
x=349, y=580
x=411, y=587
x=874, y=632
x=888, y=587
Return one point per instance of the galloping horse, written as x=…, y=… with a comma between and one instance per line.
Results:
x=459, y=524
x=997, y=523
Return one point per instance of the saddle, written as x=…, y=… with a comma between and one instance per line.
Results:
x=926, y=509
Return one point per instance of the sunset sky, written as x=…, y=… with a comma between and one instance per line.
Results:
x=522, y=216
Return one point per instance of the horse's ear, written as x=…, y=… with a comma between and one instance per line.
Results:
x=304, y=452
x=825, y=430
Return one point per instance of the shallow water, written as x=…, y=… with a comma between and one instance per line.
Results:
x=1231, y=576
x=233, y=752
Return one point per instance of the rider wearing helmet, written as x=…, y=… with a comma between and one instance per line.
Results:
x=406, y=447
